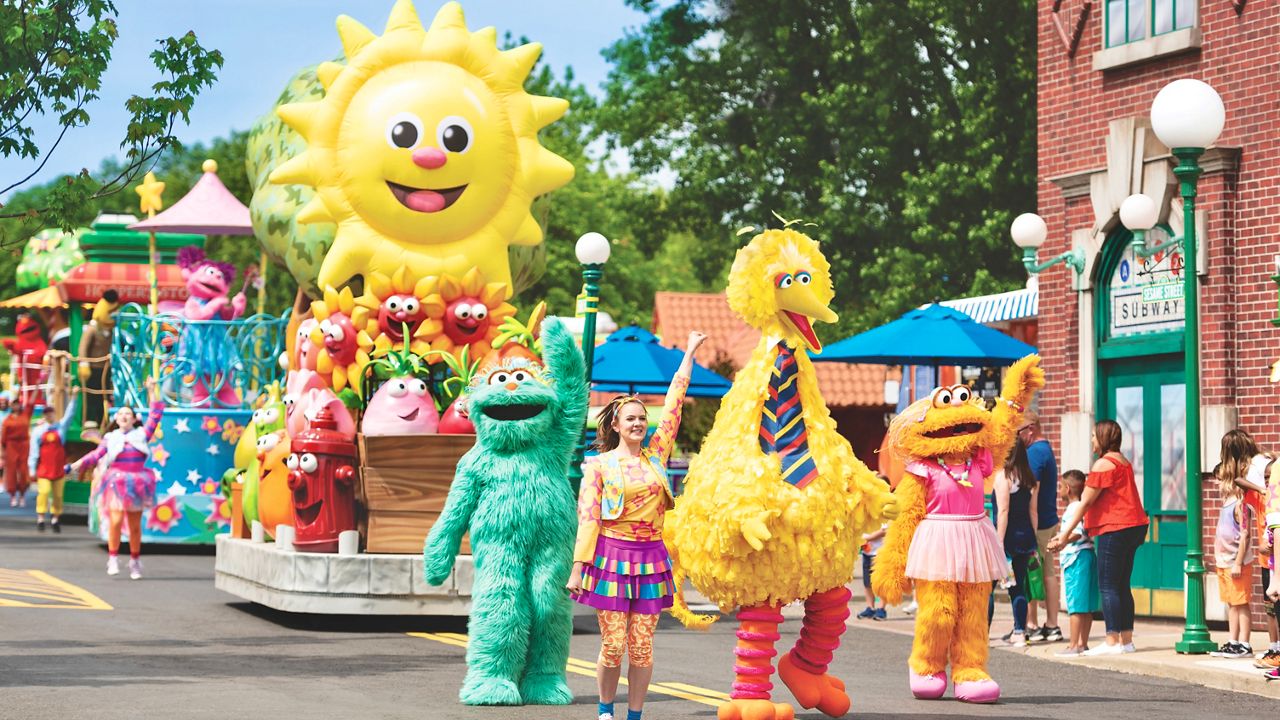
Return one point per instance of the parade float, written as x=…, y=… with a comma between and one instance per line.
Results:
x=212, y=365
x=395, y=184
x=68, y=275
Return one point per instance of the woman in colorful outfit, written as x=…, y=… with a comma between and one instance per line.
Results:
x=621, y=568
x=128, y=487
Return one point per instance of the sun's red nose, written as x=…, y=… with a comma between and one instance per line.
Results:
x=429, y=158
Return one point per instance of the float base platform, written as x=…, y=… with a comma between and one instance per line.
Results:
x=332, y=584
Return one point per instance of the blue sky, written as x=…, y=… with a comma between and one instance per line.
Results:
x=264, y=42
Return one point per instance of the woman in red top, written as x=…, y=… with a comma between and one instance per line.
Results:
x=1113, y=516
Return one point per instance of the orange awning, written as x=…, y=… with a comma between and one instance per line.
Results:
x=87, y=282
x=45, y=297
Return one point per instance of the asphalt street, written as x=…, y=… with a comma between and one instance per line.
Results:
x=171, y=646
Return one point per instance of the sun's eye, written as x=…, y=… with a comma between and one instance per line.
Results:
x=418, y=387
x=499, y=378
x=292, y=462
x=404, y=130
x=804, y=278
x=410, y=305
x=783, y=281
x=462, y=312
x=961, y=395
x=454, y=134
x=398, y=388
x=942, y=399
x=308, y=463
x=479, y=311
x=393, y=303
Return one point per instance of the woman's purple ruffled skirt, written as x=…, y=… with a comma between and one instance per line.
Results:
x=628, y=576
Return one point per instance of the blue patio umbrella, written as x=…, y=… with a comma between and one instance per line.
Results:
x=934, y=335
x=632, y=361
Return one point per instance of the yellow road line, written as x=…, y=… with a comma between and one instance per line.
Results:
x=683, y=691
x=39, y=585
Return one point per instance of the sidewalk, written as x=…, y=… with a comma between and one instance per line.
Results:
x=1153, y=638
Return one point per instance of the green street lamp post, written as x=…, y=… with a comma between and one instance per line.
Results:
x=593, y=252
x=1188, y=116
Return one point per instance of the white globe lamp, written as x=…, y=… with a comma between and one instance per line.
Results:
x=1187, y=114
x=1028, y=231
x=592, y=249
x=1139, y=212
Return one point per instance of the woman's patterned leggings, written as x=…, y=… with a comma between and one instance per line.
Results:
x=629, y=632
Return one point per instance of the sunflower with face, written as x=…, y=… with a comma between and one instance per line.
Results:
x=466, y=313
x=340, y=359
x=394, y=303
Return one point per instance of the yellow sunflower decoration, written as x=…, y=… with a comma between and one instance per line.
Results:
x=424, y=150
x=466, y=313
x=336, y=334
x=394, y=303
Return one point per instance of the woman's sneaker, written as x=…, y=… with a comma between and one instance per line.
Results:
x=1051, y=634
x=135, y=569
x=1226, y=649
x=113, y=565
x=1104, y=649
x=1017, y=640
x=1269, y=660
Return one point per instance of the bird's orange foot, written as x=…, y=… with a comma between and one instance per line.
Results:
x=743, y=709
x=824, y=692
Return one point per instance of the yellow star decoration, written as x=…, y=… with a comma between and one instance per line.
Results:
x=327, y=312
x=149, y=194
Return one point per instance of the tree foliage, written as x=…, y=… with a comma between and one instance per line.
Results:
x=904, y=129
x=54, y=53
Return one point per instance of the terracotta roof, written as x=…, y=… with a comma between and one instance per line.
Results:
x=730, y=338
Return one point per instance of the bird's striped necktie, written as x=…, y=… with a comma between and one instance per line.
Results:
x=782, y=429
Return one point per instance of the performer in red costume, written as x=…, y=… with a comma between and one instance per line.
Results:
x=15, y=438
x=28, y=349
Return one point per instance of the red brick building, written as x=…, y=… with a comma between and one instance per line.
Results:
x=1108, y=353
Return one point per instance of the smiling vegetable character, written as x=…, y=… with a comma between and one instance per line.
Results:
x=402, y=405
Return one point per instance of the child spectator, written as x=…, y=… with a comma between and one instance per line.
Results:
x=875, y=609
x=1079, y=571
x=1233, y=553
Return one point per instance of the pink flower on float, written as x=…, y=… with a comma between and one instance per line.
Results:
x=164, y=516
x=231, y=431
x=160, y=455
x=210, y=425
x=210, y=487
x=220, y=513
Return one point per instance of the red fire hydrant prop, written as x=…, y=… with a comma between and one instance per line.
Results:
x=322, y=478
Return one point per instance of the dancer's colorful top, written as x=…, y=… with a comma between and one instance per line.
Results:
x=129, y=448
x=626, y=498
x=48, y=455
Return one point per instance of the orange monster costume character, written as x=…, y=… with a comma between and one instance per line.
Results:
x=15, y=437
x=943, y=539
x=28, y=348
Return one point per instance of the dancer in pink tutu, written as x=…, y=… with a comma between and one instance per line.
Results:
x=128, y=487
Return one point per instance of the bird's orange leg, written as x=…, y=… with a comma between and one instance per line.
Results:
x=750, y=699
x=804, y=669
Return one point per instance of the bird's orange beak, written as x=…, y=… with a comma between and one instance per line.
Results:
x=798, y=308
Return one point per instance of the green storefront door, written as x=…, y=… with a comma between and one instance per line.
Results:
x=1141, y=385
x=1147, y=396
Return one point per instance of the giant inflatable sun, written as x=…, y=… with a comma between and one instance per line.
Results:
x=424, y=150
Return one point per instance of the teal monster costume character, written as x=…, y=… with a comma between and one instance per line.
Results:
x=512, y=493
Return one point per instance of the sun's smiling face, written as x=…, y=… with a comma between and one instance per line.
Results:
x=424, y=138
x=425, y=143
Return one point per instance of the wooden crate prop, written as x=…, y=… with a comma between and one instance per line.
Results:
x=404, y=481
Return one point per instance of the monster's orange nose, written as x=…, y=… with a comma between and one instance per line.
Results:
x=429, y=158
x=512, y=386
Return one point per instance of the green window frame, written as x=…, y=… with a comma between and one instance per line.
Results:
x=1127, y=21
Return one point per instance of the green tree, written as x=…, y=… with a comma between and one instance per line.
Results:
x=905, y=130
x=54, y=53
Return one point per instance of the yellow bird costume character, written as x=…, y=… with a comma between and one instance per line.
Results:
x=943, y=540
x=775, y=505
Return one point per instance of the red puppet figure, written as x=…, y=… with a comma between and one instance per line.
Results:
x=28, y=349
x=322, y=478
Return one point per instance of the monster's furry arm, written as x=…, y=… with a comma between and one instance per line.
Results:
x=569, y=371
x=445, y=539
x=889, y=570
x=1021, y=383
